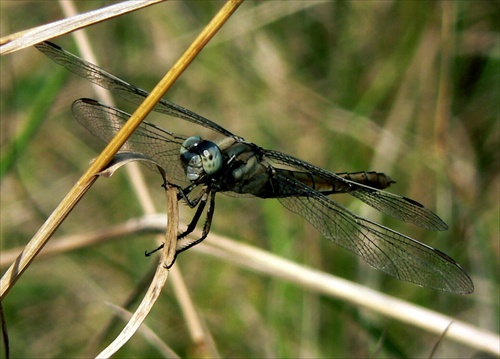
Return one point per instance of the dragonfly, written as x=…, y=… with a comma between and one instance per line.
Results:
x=202, y=167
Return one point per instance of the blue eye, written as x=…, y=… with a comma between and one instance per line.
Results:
x=190, y=143
x=211, y=157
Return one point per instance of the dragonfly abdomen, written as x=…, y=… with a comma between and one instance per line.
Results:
x=372, y=179
x=326, y=186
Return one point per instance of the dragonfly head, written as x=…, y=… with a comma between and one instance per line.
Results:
x=200, y=157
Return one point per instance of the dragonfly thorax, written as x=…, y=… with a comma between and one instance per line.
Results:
x=200, y=157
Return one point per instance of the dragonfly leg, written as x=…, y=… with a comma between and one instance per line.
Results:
x=206, y=225
x=148, y=253
x=201, y=199
x=190, y=228
x=183, y=193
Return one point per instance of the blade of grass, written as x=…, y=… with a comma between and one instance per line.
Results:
x=158, y=281
x=148, y=333
x=439, y=341
x=88, y=178
x=5, y=333
x=20, y=40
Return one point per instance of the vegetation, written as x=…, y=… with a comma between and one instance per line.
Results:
x=407, y=88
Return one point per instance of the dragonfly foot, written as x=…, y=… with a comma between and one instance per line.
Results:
x=148, y=253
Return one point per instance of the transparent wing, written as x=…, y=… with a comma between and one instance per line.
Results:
x=160, y=145
x=129, y=92
x=384, y=249
x=398, y=207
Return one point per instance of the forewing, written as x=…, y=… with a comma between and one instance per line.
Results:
x=129, y=92
x=389, y=251
x=160, y=145
x=398, y=207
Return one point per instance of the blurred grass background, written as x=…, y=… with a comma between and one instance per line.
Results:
x=407, y=88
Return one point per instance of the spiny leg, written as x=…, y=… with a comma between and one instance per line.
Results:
x=206, y=225
x=183, y=193
x=201, y=199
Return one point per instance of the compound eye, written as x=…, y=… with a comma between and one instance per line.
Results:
x=211, y=157
x=190, y=143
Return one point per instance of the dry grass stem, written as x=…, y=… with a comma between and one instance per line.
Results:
x=439, y=341
x=158, y=281
x=36, y=244
x=83, y=240
x=147, y=333
x=23, y=39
